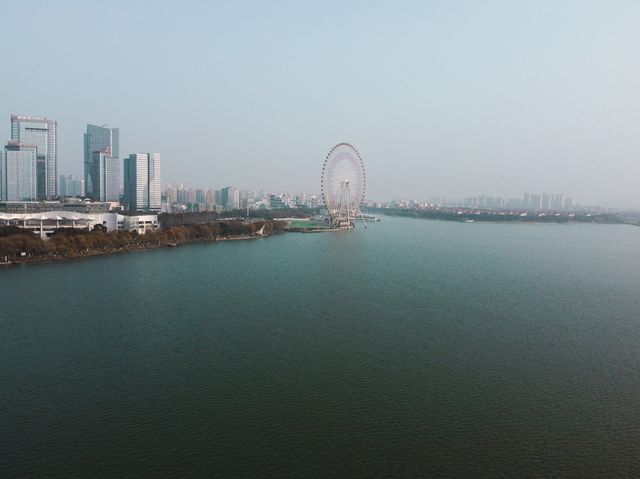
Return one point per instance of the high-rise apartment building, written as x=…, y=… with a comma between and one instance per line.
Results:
x=557, y=201
x=99, y=139
x=18, y=172
x=142, y=182
x=41, y=133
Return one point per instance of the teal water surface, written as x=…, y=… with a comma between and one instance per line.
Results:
x=412, y=348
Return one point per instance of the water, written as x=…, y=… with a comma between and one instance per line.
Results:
x=412, y=348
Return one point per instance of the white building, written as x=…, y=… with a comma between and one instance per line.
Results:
x=142, y=182
x=46, y=223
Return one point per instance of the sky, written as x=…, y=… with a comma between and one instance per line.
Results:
x=441, y=98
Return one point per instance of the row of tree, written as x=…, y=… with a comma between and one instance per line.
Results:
x=22, y=245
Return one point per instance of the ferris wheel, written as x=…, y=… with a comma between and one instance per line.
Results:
x=343, y=184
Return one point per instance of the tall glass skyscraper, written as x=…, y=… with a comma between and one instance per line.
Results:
x=18, y=176
x=105, y=176
x=142, y=182
x=42, y=133
x=99, y=139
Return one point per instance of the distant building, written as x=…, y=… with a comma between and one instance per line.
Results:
x=534, y=202
x=184, y=196
x=69, y=185
x=230, y=198
x=557, y=202
x=568, y=203
x=171, y=194
x=514, y=203
x=142, y=182
x=277, y=201
x=98, y=138
x=546, y=201
x=18, y=172
x=41, y=133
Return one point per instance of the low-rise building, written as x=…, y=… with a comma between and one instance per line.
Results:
x=45, y=223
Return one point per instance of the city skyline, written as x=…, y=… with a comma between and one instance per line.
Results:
x=102, y=167
x=451, y=100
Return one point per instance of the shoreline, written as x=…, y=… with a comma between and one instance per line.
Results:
x=491, y=219
x=92, y=254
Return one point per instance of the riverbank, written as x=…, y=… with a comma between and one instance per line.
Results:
x=490, y=216
x=22, y=247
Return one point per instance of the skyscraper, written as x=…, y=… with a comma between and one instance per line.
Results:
x=41, y=133
x=105, y=176
x=18, y=172
x=96, y=139
x=142, y=182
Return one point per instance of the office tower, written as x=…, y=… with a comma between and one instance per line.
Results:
x=230, y=198
x=526, y=201
x=41, y=133
x=98, y=138
x=18, y=172
x=69, y=185
x=200, y=196
x=142, y=182
x=105, y=176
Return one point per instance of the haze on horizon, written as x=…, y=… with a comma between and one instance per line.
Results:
x=442, y=98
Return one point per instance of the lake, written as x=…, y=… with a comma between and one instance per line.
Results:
x=410, y=348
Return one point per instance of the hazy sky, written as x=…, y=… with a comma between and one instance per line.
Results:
x=446, y=98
